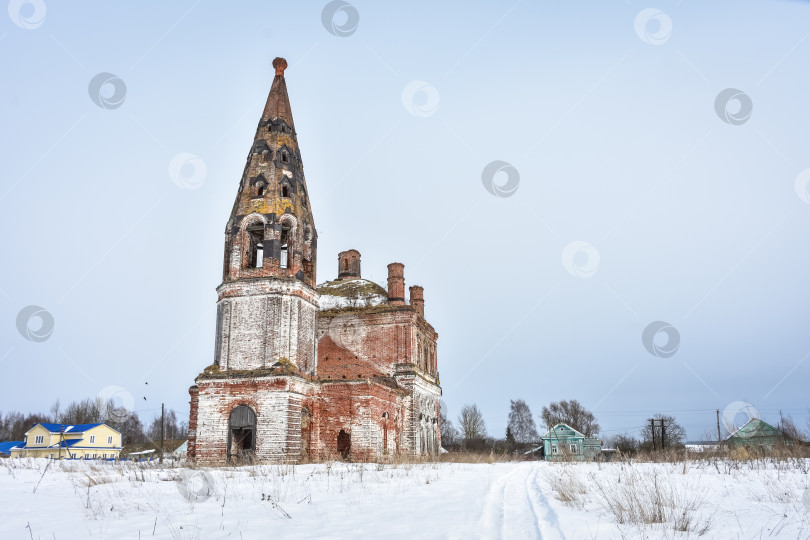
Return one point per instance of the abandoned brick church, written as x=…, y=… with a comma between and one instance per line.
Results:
x=302, y=371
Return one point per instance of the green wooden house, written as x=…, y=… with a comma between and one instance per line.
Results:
x=756, y=433
x=564, y=443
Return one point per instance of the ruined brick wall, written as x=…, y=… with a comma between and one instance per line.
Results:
x=370, y=412
x=277, y=403
x=194, y=394
x=373, y=341
x=260, y=322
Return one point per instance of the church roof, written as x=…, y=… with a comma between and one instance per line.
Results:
x=351, y=293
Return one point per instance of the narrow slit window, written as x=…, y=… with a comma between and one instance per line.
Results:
x=285, y=241
x=259, y=255
x=285, y=191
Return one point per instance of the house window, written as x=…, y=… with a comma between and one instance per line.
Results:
x=92, y=439
x=51, y=456
x=95, y=456
x=105, y=456
x=109, y=439
x=39, y=439
x=573, y=449
x=554, y=449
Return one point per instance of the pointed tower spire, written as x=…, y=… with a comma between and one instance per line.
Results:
x=271, y=231
x=278, y=101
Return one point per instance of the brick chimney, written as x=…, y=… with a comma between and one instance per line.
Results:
x=349, y=264
x=396, y=284
x=418, y=299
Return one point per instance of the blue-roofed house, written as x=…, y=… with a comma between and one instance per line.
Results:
x=564, y=443
x=71, y=441
x=5, y=447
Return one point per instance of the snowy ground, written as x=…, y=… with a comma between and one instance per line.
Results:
x=447, y=500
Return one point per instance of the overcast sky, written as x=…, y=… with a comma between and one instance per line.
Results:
x=644, y=192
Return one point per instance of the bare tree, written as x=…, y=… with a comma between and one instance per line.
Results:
x=521, y=424
x=449, y=432
x=788, y=427
x=472, y=424
x=55, y=418
x=626, y=444
x=673, y=434
x=571, y=413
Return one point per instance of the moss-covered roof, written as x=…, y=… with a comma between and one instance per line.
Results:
x=351, y=293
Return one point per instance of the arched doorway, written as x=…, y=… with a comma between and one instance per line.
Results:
x=344, y=444
x=242, y=434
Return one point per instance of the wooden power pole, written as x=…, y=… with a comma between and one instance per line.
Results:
x=162, y=428
x=719, y=440
x=652, y=431
x=663, y=435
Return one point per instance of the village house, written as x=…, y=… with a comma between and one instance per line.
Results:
x=564, y=443
x=346, y=369
x=757, y=433
x=66, y=441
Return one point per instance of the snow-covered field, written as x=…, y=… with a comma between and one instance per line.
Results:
x=62, y=500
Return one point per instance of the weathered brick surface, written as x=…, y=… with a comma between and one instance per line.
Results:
x=367, y=371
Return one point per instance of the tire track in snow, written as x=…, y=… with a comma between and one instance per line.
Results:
x=509, y=510
x=547, y=521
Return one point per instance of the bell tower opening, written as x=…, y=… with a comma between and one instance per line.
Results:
x=256, y=237
x=285, y=242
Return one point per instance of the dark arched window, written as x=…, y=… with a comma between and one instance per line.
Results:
x=242, y=432
x=285, y=191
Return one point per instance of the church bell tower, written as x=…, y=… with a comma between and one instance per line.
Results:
x=267, y=303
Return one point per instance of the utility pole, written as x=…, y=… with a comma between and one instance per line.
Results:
x=718, y=427
x=652, y=430
x=162, y=428
x=663, y=435
x=61, y=438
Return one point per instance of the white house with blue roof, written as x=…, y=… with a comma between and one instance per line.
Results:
x=70, y=441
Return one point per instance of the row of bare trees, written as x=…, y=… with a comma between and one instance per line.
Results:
x=521, y=430
x=14, y=424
